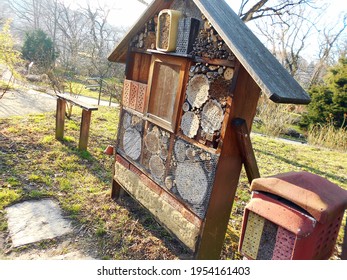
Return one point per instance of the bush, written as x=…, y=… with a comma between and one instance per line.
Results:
x=329, y=100
x=38, y=47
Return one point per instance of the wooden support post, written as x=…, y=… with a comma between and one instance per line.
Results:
x=60, y=119
x=243, y=105
x=117, y=191
x=344, y=244
x=84, y=131
x=245, y=146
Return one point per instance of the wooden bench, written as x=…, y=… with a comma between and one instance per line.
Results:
x=85, y=122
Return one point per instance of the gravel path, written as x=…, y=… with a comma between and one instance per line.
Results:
x=19, y=103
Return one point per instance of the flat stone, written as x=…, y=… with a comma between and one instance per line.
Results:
x=33, y=221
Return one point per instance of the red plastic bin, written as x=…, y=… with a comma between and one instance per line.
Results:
x=292, y=216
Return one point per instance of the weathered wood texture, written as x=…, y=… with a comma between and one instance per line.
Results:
x=344, y=245
x=166, y=83
x=84, y=131
x=269, y=74
x=138, y=67
x=77, y=102
x=243, y=105
x=245, y=147
x=85, y=121
x=60, y=119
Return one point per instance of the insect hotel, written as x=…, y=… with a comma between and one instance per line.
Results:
x=193, y=70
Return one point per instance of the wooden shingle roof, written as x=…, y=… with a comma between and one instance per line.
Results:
x=262, y=66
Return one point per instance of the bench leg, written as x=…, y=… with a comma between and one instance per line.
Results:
x=60, y=119
x=84, y=132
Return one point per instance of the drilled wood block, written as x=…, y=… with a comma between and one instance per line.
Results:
x=157, y=167
x=197, y=90
x=152, y=142
x=212, y=117
x=190, y=124
x=180, y=150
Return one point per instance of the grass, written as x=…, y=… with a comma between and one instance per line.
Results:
x=328, y=136
x=33, y=165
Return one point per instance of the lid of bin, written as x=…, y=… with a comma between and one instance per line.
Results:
x=321, y=198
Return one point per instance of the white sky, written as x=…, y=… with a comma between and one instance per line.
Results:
x=126, y=12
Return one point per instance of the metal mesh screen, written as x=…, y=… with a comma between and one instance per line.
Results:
x=188, y=29
x=191, y=175
x=130, y=133
x=155, y=152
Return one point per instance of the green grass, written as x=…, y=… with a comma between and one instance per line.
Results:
x=81, y=182
x=277, y=156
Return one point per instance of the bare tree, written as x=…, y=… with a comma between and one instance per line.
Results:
x=28, y=11
x=102, y=39
x=72, y=31
x=330, y=36
x=255, y=9
x=287, y=36
x=144, y=2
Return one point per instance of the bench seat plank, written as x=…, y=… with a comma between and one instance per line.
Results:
x=75, y=101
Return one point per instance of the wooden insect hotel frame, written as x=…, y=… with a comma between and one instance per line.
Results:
x=177, y=152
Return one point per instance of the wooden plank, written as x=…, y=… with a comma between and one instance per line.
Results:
x=344, y=243
x=136, y=67
x=145, y=65
x=245, y=147
x=60, y=119
x=264, y=68
x=243, y=105
x=77, y=102
x=166, y=72
x=222, y=62
x=84, y=130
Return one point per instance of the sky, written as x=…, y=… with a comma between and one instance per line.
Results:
x=124, y=14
